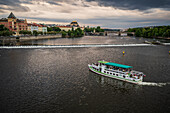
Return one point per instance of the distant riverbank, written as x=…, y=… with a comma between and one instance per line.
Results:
x=40, y=37
x=14, y=40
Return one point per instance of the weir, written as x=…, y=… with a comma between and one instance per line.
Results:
x=74, y=46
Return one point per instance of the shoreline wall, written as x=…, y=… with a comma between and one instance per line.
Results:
x=14, y=40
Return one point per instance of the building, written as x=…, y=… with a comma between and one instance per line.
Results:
x=65, y=28
x=50, y=25
x=14, y=24
x=74, y=24
x=42, y=28
x=32, y=27
x=37, y=27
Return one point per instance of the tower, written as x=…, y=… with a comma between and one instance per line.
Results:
x=12, y=20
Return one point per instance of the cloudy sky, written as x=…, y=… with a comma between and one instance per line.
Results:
x=105, y=13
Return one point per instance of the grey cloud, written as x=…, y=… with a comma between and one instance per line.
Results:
x=1, y=11
x=121, y=4
x=135, y=4
x=53, y=2
x=14, y=5
x=49, y=19
x=125, y=22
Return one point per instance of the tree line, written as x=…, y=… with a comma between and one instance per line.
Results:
x=151, y=32
x=51, y=30
x=73, y=33
x=5, y=31
x=97, y=29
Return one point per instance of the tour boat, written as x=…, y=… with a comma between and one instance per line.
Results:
x=117, y=71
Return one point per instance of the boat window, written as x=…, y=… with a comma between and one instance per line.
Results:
x=104, y=71
x=107, y=72
x=116, y=74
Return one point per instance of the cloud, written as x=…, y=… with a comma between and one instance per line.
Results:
x=13, y=5
x=106, y=13
x=53, y=3
x=134, y=4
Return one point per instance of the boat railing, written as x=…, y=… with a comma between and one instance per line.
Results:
x=96, y=66
x=117, y=70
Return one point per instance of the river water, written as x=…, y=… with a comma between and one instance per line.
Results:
x=58, y=79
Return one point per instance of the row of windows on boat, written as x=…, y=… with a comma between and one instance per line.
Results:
x=116, y=74
x=120, y=74
x=115, y=71
x=110, y=72
x=114, y=67
x=118, y=68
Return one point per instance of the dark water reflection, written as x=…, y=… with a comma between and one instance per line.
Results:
x=89, y=40
x=58, y=80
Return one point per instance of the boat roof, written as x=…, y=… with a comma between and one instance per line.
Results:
x=115, y=64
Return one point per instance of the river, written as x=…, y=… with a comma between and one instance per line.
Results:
x=58, y=79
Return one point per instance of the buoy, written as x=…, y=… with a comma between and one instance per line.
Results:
x=123, y=53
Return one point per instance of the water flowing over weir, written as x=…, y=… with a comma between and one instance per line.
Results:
x=75, y=46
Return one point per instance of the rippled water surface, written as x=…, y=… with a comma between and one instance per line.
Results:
x=87, y=40
x=58, y=80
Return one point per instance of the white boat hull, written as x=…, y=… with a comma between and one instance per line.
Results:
x=112, y=76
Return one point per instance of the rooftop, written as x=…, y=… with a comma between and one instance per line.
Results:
x=11, y=15
x=115, y=64
x=64, y=26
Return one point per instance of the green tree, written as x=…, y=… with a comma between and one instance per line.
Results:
x=64, y=34
x=56, y=29
x=138, y=33
x=3, y=28
x=52, y=32
x=167, y=33
x=40, y=33
x=160, y=32
x=25, y=32
x=72, y=28
x=6, y=33
x=143, y=32
x=69, y=33
x=35, y=33
x=72, y=35
x=98, y=29
x=49, y=29
x=157, y=31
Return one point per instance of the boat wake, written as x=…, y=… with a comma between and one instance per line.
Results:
x=153, y=84
x=74, y=46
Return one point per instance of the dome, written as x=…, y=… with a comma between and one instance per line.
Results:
x=74, y=24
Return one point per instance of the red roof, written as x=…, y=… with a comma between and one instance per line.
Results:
x=34, y=24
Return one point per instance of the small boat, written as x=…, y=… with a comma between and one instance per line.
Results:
x=117, y=71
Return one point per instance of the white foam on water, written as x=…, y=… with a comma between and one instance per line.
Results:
x=153, y=84
x=73, y=46
x=166, y=43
